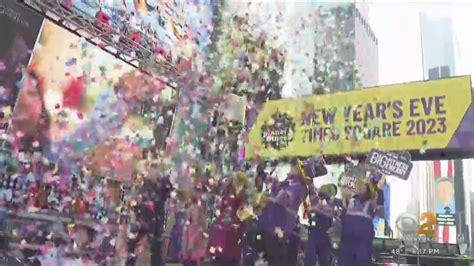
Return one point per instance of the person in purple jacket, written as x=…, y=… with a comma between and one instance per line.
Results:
x=278, y=221
x=225, y=238
x=357, y=232
x=323, y=204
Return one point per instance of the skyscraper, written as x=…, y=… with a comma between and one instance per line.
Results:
x=366, y=48
x=438, y=46
x=346, y=49
x=328, y=46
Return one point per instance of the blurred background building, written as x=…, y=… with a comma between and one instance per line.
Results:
x=437, y=37
x=439, y=61
x=366, y=47
x=328, y=46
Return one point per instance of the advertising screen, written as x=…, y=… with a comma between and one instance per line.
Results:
x=19, y=31
x=69, y=103
x=161, y=23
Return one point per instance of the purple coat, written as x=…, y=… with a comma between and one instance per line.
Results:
x=357, y=232
x=227, y=231
x=282, y=211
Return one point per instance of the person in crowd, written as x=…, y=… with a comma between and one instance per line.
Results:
x=161, y=191
x=225, y=242
x=194, y=242
x=260, y=178
x=358, y=233
x=176, y=234
x=141, y=222
x=318, y=247
x=38, y=195
x=277, y=236
x=171, y=212
x=4, y=237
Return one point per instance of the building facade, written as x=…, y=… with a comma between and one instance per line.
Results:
x=328, y=46
x=366, y=48
x=437, y=40
x=346, y=48
x=439, y=61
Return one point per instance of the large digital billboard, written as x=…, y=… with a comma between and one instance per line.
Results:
x=161, y=20
x=19, y=29
x=164, y=22
x=69, y=103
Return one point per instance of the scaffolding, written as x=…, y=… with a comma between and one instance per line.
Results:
x=112, y=40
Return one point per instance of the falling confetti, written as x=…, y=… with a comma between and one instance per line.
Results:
x=71, y=62
x=111, y=134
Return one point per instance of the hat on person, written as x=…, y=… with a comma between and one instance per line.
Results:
x=327, y=191
x=312, y=168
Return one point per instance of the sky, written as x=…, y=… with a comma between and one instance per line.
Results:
x=396, y=25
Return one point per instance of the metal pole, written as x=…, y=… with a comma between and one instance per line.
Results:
x=421, y=41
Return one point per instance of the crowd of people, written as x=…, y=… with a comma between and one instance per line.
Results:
x=37, y=185
x=241, y=219
x=85, y=210
x=257, y=220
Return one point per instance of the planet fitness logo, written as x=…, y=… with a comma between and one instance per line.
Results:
x=279, y=131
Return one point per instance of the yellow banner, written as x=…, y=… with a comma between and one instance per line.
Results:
x=411, y=116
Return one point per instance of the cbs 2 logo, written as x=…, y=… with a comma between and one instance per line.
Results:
x=427, y=223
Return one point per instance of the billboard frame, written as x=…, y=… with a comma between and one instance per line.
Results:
x=90, y=30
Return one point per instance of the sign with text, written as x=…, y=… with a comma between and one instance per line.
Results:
x=445, y=219
x=390, y=163
x=401, y=117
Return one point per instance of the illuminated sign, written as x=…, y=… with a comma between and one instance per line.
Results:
x=19, y=30
x=164, y=22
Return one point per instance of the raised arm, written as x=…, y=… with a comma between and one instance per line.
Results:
x=313, y=198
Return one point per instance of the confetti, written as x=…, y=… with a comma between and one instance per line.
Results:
x=112, y=134
x=71, y=62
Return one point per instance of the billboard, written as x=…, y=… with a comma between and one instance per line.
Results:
x=164, y=22
x=19, y=30
x=445, y=203
x=69, y=103
x=415, y=116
